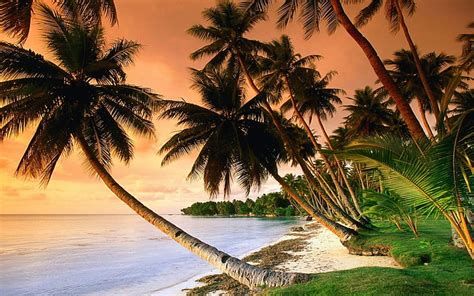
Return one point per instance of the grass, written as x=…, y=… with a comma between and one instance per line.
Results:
x=432, y=267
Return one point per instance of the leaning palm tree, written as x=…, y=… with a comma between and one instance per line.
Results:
x=369, y=113
x=15, y=15
x=438, y=70
x=227, y=19
x=312, y=13
x=284, y=69
x=82, y=100
x=394, y=13
x=234, y=140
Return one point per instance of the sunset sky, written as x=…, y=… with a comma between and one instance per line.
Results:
x=160, y=25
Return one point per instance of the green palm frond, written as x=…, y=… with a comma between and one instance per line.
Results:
x=424, y=178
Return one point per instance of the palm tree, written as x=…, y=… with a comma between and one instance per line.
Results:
x=428, y=177
x=394, y=14
x=463, y=103
x=15, y=15
x=235, y=140
x=283, y=69
x=226, y=35
x=312, y=12
x=438, y=70
x=369, y=114
x=82, y=99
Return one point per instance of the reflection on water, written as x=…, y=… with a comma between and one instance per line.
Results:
x=81, y=254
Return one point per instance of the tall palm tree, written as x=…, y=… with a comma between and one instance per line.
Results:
x=369, y=113
x=284, y=69
x=225, y=34
x=318, y=100
x=15, y=15
x=228, y=19
x=312, y=12
x=394, y=14
x=438, y=70
x=234, y=140
x=81, y=100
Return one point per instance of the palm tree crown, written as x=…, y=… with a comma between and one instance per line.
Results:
x=316, y=98
x=311, y=13
x=234, y=139
x=228, y=24
x=390, y=9
x=82, y=94
x=15, y=15
x=369, y=113
x=438, y=68
x=281, y=67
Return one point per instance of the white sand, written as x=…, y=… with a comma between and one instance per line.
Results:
x=326, y=253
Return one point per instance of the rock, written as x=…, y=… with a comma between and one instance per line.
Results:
x=297, y=229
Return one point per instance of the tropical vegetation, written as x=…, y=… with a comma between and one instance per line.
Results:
x=273, y=204
x=257, y=102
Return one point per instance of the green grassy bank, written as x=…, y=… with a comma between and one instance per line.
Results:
x=432, y=267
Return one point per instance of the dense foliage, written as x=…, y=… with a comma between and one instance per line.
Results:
x=271, y=204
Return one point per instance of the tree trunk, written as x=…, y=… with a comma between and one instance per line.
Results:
x=242, y=272
x=341, y=169
x=346, y=217
x=419, y=68
x=404, y=108
x=424, y=120
x=342, y=232
x=317, y=146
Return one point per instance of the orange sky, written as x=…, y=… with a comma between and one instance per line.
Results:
x=160, y=25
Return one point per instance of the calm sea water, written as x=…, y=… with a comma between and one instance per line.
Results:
x=115, y=254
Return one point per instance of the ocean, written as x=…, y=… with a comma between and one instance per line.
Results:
x=117, y=254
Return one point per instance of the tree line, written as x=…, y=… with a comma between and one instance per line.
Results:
x=271, y=204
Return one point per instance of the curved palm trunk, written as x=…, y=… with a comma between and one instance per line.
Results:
x=342, y=232
x=307, y=172
x=316, y=145
x=419, y=68
x=344, y=216
x=339, y=166
x=404, y=108
x=244, y=273
x=424, y=120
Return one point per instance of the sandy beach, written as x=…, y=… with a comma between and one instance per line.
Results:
x=306, y=249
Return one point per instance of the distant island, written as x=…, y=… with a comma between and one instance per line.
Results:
x=273, y=204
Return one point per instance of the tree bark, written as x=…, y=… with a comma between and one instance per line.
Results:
x=345, y=216
x=404, y=108
x=242, y=272
x=419, y=67
x=341, y=169
x=342, y=232
x=424, y=120
x=317, y=146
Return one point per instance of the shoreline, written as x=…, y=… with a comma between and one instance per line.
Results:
x=311, y=249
